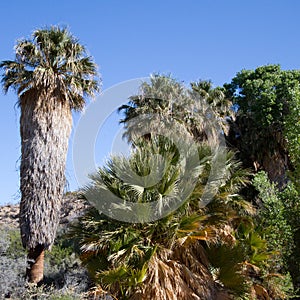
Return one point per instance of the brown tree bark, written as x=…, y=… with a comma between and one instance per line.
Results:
x=35, y=264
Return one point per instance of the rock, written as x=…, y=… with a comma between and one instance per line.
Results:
x=72, y=207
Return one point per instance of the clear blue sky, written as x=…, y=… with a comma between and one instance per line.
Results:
x=200, y=39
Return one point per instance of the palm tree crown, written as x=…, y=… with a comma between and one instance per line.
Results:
x=53, y=60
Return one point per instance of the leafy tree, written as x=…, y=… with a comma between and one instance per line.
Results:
x=267, y=134
x=278, y=220
x=52, y=75
x=267, y=129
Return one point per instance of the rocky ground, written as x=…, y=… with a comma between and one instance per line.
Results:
x=72, y=208
x=65, y=278
x=9, y=215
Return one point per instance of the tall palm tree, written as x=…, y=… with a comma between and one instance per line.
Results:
x=202, y=109
x=218, y=100
x=52, y=74
x=163, y=96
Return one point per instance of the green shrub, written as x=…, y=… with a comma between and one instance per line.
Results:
x=64, y=276
x=275, y=223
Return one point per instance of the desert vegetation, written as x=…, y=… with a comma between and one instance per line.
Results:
x=208, y=199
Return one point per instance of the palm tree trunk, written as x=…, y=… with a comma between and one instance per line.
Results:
x=35, y=264
x=45, y=127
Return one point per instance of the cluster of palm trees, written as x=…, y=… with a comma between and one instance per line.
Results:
x=199, y=250
x=193, y=232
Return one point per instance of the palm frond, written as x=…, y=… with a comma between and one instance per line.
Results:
x=52, y=59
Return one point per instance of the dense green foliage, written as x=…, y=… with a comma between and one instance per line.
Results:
x=237, y=247
x=274, y=219
x=120, y=255
x=290, y=196
x=264, y=93
x=267, y=134
x=269, y=103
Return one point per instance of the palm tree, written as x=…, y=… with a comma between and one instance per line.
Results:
x=202, y=110
x=218, y=101
x=52, y=74
x=162, y=96
x=126, y=258
x=192, y=253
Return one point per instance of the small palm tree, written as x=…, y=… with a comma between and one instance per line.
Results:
x=52, y=75
x=167, y=258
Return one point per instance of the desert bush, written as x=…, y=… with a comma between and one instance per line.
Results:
x=12, y=265
x=65, y=278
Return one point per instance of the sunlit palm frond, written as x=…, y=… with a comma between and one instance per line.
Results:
x=54, y=60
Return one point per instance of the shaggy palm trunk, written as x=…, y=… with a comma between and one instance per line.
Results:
x=45, y=126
